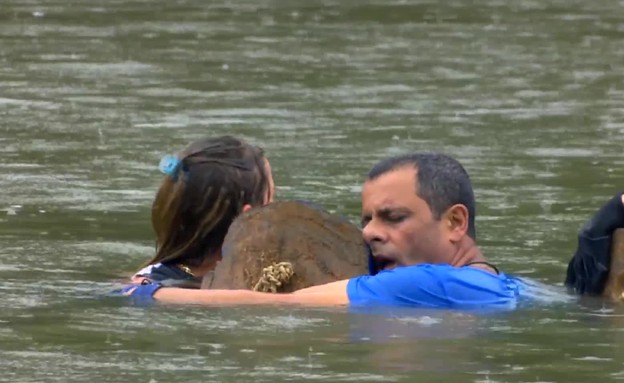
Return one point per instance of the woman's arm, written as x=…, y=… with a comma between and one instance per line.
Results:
x=330, y=294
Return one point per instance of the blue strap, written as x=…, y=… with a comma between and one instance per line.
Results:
x=141, y=294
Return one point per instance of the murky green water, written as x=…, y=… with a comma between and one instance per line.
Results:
x=528, y=95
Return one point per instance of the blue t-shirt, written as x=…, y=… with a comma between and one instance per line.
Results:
x=435, y=286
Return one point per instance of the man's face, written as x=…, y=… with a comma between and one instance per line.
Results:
x=399, y=226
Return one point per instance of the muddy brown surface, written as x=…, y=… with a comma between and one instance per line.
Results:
x=321, y=247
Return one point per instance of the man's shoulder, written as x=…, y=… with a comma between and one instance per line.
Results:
x=429, y=285
x=444, y=271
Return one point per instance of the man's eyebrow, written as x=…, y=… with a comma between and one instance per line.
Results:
x=384, y=212
x=390, y=209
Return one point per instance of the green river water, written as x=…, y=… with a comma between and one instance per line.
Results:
x=528, y=95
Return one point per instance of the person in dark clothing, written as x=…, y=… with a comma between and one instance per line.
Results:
x=589, y=268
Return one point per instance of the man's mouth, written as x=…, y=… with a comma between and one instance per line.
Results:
x=384, y=263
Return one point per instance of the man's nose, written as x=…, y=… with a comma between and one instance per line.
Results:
x=372, y=233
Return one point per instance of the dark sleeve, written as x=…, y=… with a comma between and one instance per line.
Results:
x=589, y=267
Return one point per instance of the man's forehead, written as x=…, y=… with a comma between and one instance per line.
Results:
x=389, y=194
x=394, y=183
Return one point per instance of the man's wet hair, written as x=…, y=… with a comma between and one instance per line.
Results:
x=441, y=181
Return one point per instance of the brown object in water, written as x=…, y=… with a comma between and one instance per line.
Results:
x=318, y=246
x=614, y=288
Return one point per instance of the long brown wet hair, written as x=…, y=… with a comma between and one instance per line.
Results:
x=195, y=205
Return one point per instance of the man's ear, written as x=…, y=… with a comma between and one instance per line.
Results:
x=246, y=208
x=457, y=219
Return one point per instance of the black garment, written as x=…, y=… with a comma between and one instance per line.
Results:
x=588, y=269
x=169, y=275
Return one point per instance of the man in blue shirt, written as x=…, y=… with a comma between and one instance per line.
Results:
x=418, y=217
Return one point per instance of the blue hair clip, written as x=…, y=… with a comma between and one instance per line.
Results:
x=169, y=165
